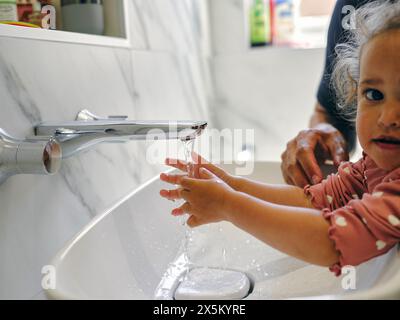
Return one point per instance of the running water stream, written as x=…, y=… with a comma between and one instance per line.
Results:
x=188, y=150
x=182, y=279
x=179, y=269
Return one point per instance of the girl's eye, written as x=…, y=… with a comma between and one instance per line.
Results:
x=373, y=95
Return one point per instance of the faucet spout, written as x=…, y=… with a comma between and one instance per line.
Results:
x=89, y=130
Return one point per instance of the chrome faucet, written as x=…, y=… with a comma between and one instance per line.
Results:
x=38, y=155
x=89, y=130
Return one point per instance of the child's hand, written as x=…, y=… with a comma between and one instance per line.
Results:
x=199, y=162
x=207, y=198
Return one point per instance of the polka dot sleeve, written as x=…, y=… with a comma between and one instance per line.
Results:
x=339, y=189
x=366, y=228
x=364, y=223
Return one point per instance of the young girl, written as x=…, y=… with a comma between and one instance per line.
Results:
x=350, y=217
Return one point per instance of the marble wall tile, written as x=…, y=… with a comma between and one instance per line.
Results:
x=178, y=82
x=55, y=80
x=228, y=24
x=170, y=25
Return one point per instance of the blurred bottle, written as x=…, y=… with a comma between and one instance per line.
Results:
x=8, y=10
x=114, y=18
x=261, y=22
x=36, y=16
x=285, y=17
x=29, y=11
x=25, y=8
x=83, y=16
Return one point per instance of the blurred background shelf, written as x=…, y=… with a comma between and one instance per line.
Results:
x=306, y=27
x=310, y=33
x=286, y=23
x=73, y=23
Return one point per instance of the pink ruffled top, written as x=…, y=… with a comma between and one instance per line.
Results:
x=362, y=204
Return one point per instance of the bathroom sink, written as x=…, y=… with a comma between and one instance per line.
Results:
x=125, y=253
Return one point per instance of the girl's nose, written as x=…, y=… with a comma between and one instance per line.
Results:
x=390, y=116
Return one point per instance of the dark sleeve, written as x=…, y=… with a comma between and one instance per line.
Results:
x=326, y=95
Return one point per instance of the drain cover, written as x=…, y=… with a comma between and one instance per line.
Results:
x=213, y=284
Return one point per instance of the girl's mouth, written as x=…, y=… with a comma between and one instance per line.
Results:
x=387, y=143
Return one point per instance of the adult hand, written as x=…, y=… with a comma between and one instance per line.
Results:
x=309, y=150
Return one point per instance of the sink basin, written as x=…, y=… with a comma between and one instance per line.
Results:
x=126, y=252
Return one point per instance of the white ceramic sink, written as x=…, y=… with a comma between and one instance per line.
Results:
x=125, y=253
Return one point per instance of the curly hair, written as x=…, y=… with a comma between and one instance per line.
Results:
x=369, y=21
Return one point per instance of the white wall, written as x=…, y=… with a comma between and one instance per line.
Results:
x=270, y=91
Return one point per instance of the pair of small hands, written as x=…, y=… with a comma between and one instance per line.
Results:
x=205, y=192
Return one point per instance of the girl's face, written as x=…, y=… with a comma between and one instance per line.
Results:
x=378, y=113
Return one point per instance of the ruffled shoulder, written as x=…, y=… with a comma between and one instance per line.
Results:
x=339, y=189
x=375, y=175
